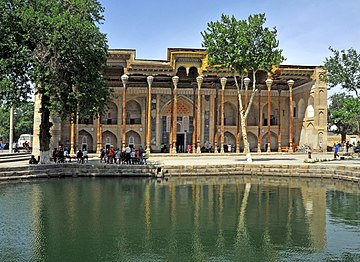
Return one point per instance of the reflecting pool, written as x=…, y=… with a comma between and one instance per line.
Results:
x=193, y=219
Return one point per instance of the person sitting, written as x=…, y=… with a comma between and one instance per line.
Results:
x=60, y=156
x=54, y=155
x=67, y=155
x=33, y=161
x=79, y=157
x=85, y=155
x=102, y=155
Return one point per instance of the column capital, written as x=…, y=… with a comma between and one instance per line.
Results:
x=175, y=80
x=199, y=81
x=223, y=81
x=124, y=78
x=291, y=84
x=150, y=79
x=246, y=82
x=269, y=83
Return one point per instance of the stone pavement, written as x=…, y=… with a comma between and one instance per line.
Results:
x=227, y=159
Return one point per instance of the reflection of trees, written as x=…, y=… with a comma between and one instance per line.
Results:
x=188, y=221
x=344, y=206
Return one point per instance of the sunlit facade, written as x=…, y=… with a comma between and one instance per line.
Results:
x=151, y=107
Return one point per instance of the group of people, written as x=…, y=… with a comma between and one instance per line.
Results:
x=347, y=147
x=128, y=155
x=59, y=154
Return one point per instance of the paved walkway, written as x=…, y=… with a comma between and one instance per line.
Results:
x=226, y=159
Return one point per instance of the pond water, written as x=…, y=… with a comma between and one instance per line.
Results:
x=194, y=219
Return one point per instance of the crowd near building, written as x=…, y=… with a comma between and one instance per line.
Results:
x=183, y=105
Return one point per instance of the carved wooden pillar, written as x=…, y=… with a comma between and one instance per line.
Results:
x=259, y=123
x=290, y=83
x=157, y=128
x=268, y=84
x=216, y=107
x=279, y=124
x=193, y=146
x=72, y=134
x=199, y=81
x=124, y=79
x=148, y=128
x=223, y=84
x=98, y=135
x=175, y=82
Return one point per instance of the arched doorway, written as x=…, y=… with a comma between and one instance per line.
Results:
x=86, y=141
x=133, y=139
x=109, y=139
x=229, y=142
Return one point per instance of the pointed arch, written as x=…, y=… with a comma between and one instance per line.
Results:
x=111, y=114
x=310, y=107
x=133, y=113
x=273, y=141
x=301, y=108
x=109, y=138
x=133, y=138
x=86, y=141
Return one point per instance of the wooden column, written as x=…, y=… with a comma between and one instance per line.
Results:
x=98, y=135
x=148, y=128
x=175, y=82
x=279, y=124
x=199, y=81
x=157, y=127
x=268, y=84
x=124, y=79
x=259, y=123
x=72, y=134
x=223, y=84
x=216, y=107
x=193, y=146
x=290, y=83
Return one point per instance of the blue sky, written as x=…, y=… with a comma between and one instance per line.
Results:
x=306, y=28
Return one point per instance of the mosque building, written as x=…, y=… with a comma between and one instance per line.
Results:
x=182, y=104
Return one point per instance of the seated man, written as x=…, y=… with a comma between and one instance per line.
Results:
x=85, y=156
x=67, y=155
x=33, y=161
x=79, y=157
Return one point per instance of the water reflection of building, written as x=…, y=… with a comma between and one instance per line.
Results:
x=184, y=218
x=168, y=116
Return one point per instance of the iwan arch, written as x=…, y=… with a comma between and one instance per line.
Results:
x=151, y=108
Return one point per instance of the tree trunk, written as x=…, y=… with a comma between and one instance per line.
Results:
x=244, y=135
x=45, y=130
x=343, y=137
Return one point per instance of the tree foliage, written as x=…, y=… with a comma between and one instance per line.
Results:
x=343, y=68
x=344, y=113
x=58, y=46
x=242, y=46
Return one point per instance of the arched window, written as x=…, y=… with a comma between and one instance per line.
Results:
x=133, y=113
x=301, y=108
x=310, y=107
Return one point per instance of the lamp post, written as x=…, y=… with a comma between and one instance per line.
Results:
x=291, y=84
x=199, y=81
x=175, y=80
x=268, y=84
x=150, y=79
x=124, y=79
x=223, y=81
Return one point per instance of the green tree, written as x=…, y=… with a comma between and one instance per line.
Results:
x=64, y=54
x=242, y=46
x=23, y=120
x=344, y=113
x=343, y=69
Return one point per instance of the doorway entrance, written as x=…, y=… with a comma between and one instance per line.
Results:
x=180, y=143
